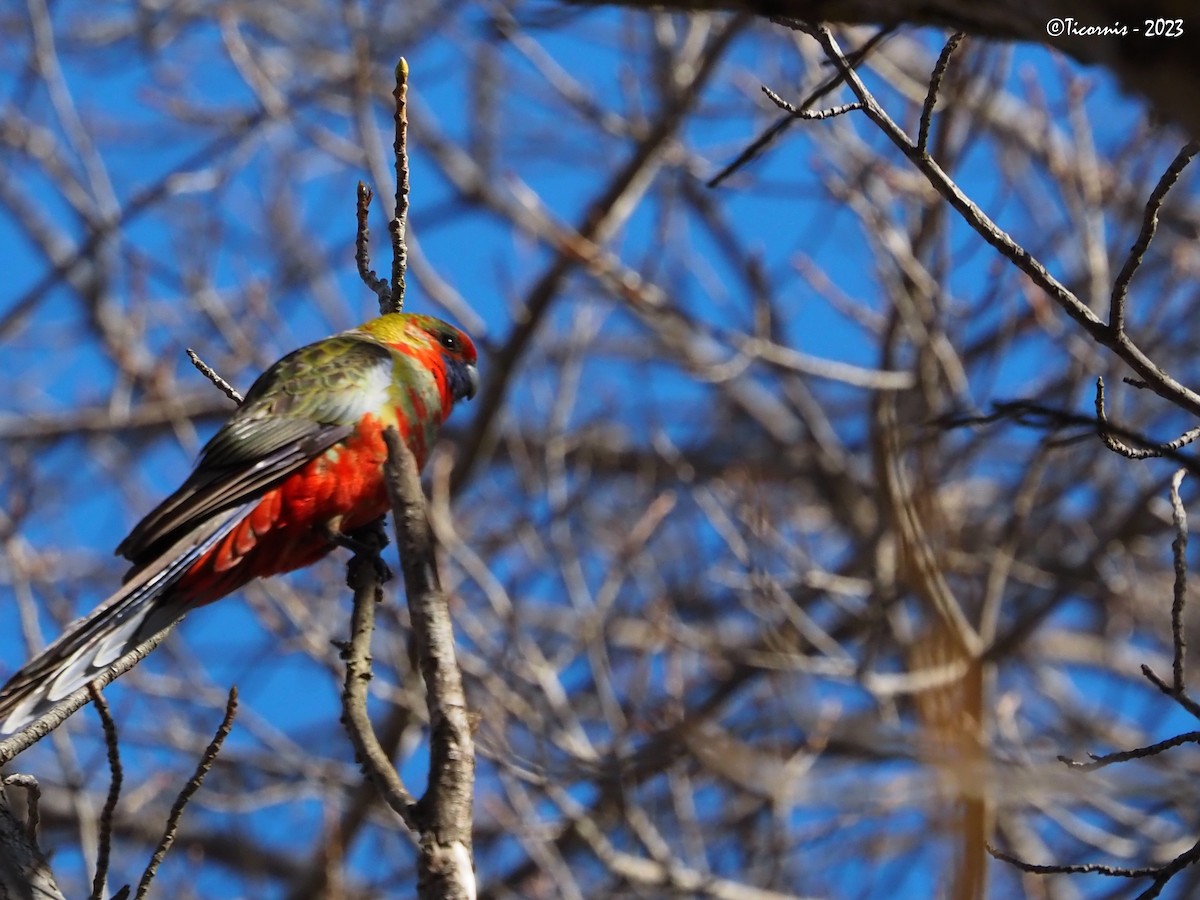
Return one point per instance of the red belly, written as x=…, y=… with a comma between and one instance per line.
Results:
x=342, y=489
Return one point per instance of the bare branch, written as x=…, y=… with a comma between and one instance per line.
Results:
x=1116, y=314
x=1179, y=553
x=1111, y=441
x=399, y=224
x=104, y=849
x=206, y=762
x=935, y=83
x=1032, y=414
x=1100, y=762
x=210, y=373
x=362, y=249
x=1162, y=874
x=1169, y=689
x=447, y=868
x=1057, y=869
x=363, y=577
x=11, y=746
x=808, y=114
x=773, y=132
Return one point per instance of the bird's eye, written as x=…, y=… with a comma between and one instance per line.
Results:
x=449, y=341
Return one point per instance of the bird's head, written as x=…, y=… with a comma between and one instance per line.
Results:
x=425, y=335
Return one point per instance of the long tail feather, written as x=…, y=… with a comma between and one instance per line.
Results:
x=145, y=605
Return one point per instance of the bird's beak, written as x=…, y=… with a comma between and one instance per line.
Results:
x=472, y=382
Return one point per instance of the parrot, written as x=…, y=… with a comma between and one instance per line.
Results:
x=299, y=465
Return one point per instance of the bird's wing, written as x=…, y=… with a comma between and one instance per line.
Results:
x=297, y=409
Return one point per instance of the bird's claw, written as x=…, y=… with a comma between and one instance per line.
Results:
x=382, y=570
x=367, y=541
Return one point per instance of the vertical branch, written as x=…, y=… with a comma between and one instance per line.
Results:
x=104, y=850
x=1179, y=551
x=362, y=251
x=442, y=818
x=446, y=868
x=399, y=224
x=363, y=577
x=390, y=294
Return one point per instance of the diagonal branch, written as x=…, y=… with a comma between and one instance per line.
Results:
x=11, y=746
x=207, y=758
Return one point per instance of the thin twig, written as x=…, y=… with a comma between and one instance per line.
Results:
x=1179, y=697
x=193, y=785
x=104, y=849
x=855, y=57
x=808, y=114
x=1168, y=447
x=1182, y=441
x=777, y=128
x=1166, y=873
x=1116, y=314
x=210, y=373
x=362, y=251
x=1162, y=874
x=1099, y=762
x=935, y=83
x=399, y=224
x=1111, y=441
x=1059, y=869
x=1032, y=414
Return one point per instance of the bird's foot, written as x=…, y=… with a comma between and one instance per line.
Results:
x=367, y=541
